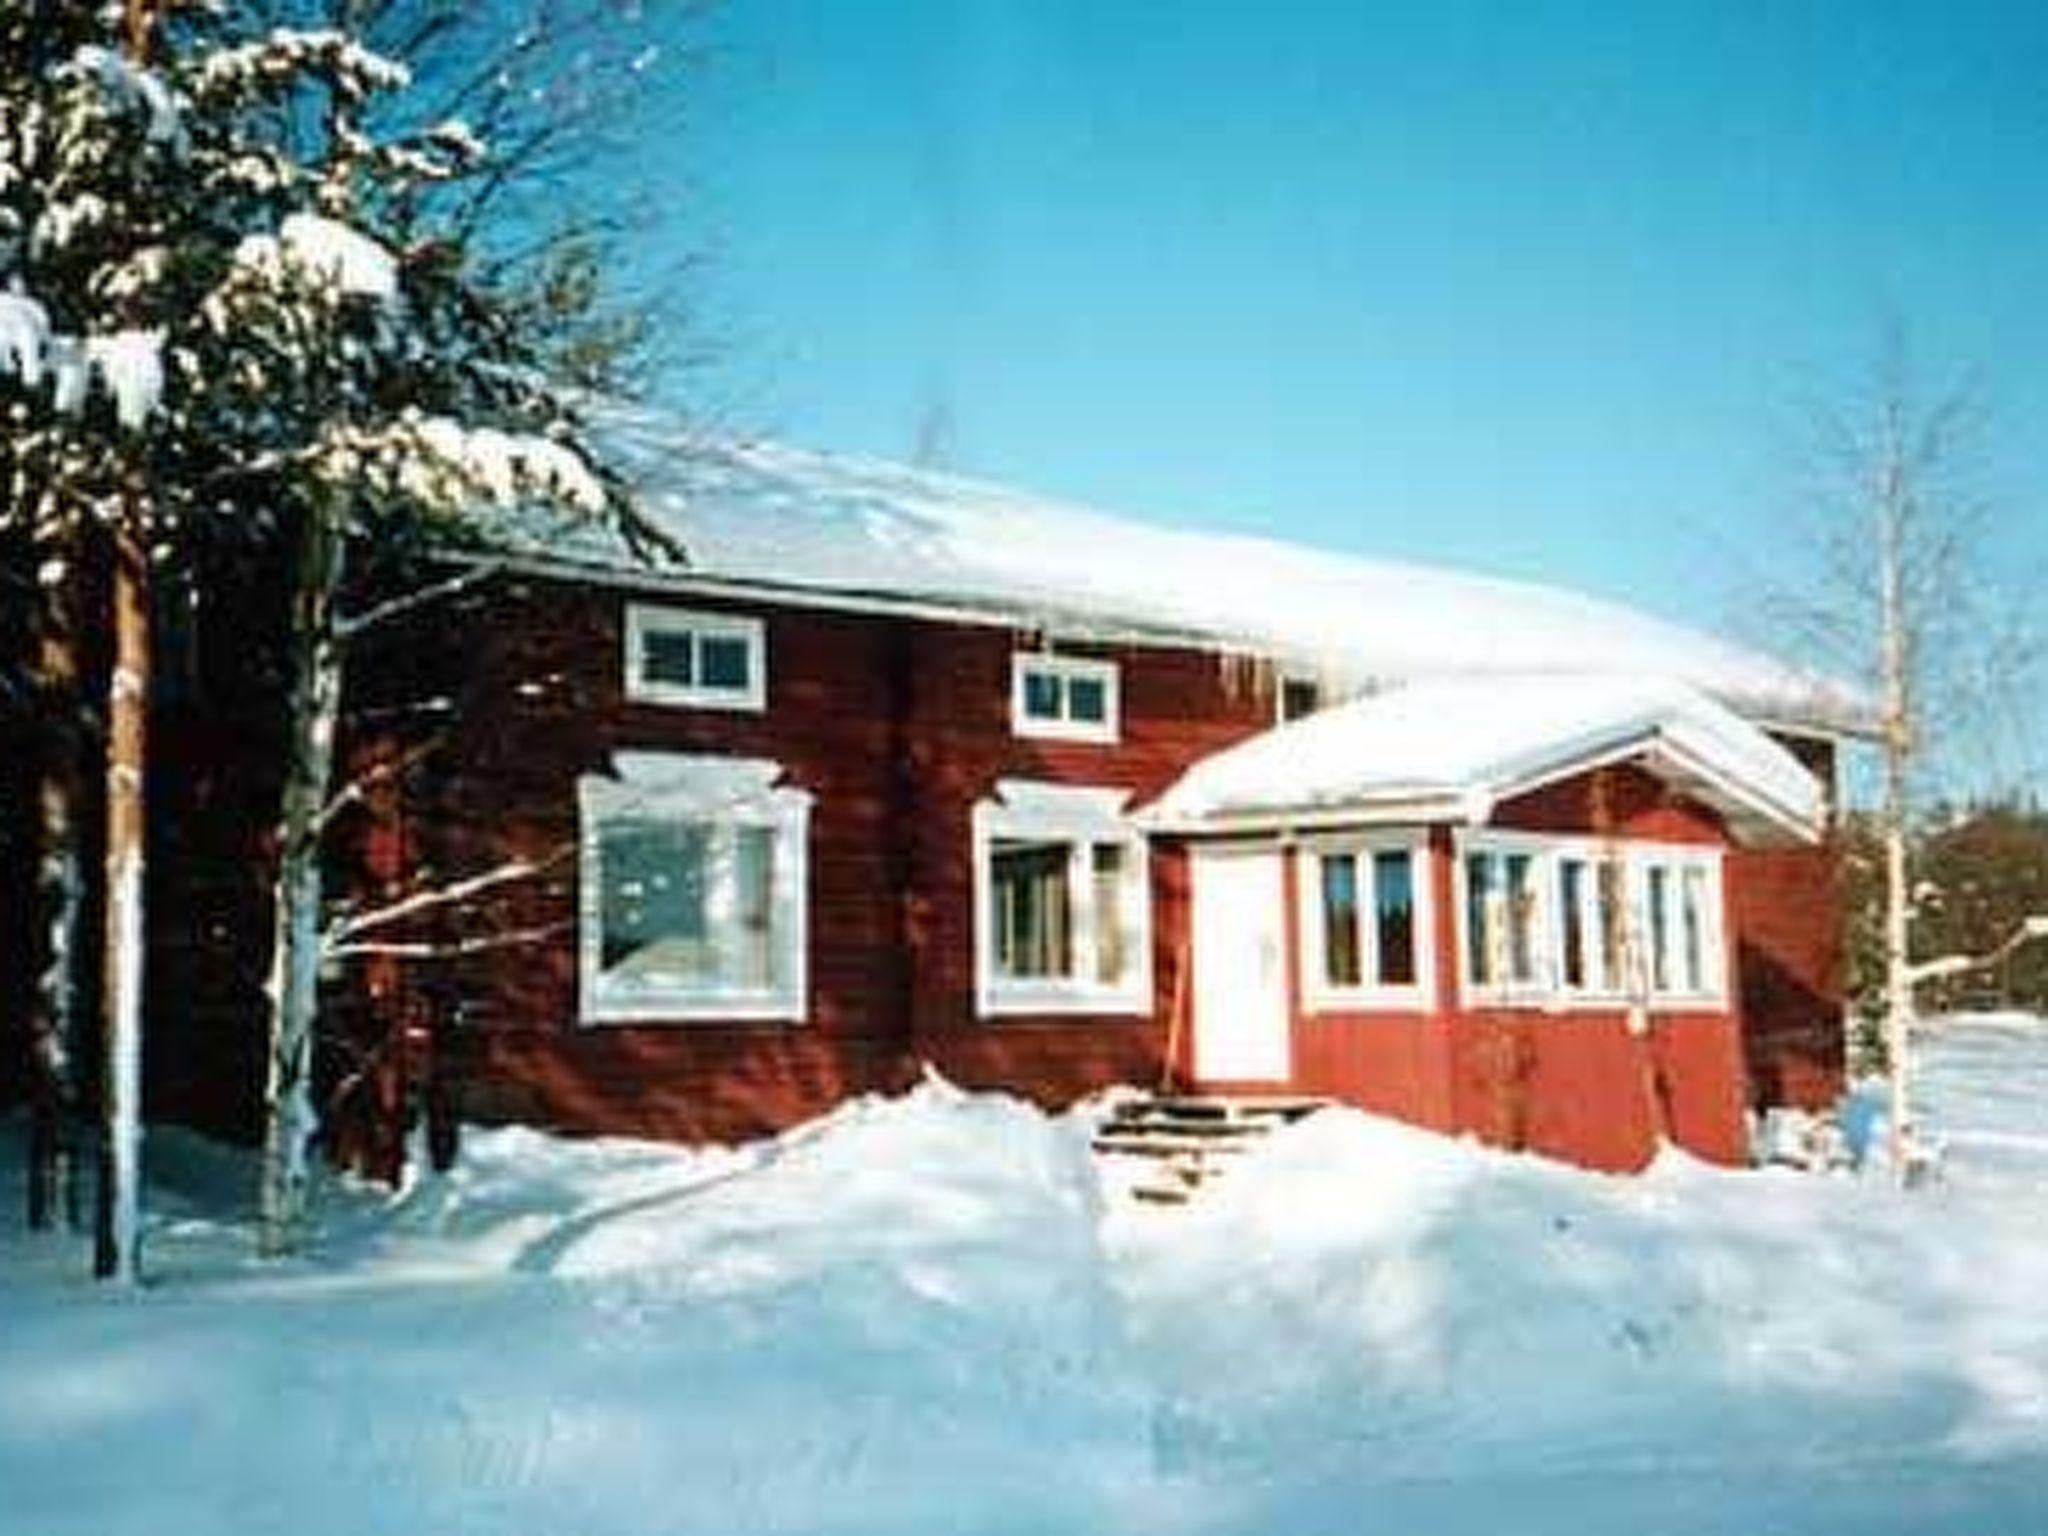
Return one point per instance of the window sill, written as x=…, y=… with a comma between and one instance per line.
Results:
x=697, y=1008
x=1594, y=1002
x=1370, y=1000
x=1060, y=730
x=736, y=701
x=1010, y=1003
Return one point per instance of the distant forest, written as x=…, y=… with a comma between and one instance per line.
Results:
x=1978, y=872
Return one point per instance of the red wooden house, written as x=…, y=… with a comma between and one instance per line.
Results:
x=904, y=770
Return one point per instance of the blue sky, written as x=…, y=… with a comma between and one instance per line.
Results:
x=1529, y=288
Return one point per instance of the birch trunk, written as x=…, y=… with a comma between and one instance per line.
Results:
x=55, y=1024
x=293, y=987
x=1895, y=642
x=118, y=1228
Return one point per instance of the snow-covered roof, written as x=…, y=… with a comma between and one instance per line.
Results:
x=772, y=516
x=1452, y=749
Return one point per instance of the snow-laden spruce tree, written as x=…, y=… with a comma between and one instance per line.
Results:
x=232, y=311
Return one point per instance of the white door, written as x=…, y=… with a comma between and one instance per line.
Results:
x=1240, y=975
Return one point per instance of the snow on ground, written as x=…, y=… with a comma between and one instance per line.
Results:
x=925, y=1314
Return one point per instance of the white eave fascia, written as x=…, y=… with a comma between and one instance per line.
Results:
x=594, y=569
x=1421, y=807
x=1473, y=805
x=598, y=572
x=1734, y=795
x=1740, y=795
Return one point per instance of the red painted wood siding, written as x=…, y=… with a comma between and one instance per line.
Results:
x=899, y=728
x=1572, y=1083
x=1177, y=707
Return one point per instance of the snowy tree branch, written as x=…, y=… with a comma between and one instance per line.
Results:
x=1959, y=965
x=451, y=949
x=345, y=930
x=350, y=625
x=386, y=771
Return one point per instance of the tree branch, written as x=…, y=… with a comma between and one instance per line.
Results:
x=427, y=949
x=1958, y=965
x=349, y=626
x=344, y=930
x=357, y=788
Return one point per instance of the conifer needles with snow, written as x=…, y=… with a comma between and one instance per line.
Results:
x=238, y=304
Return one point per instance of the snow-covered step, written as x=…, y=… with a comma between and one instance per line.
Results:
x=1185, y=1141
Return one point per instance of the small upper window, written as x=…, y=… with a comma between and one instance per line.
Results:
x=683, y=656
x=1073, y=698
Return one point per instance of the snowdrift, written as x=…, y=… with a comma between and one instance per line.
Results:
x=924, y=1314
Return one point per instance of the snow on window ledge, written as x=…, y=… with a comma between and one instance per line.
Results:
x=712, y=797
x=1103, y=904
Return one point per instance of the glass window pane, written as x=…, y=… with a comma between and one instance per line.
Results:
x=1694, y=950
x=1571, y=902
x=1033, y=927
x=668, y=656
x=1393, y=896
x=1041, y=695
x=1610, y=923
x=1660, y=927
x=1087, y=699
x=1340, y=921
x=1480, y=934
x=1112, y=947
x=725, y=662
x=1299, y=696
x=750, y=948
x=652, y=925
x=1521, y=917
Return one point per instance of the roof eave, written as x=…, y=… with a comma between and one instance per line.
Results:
x=1448, y=806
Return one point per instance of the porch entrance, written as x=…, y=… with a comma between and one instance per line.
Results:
x=1239, y=960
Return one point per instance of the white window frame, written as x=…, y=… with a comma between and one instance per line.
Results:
x=729, y=793
x=1028, y=664
x=1632, y=975
x=1678, y=860
x=1281, y=681
x=1081, y=816
x=643, y=619
x=1612, y=984
x=1318, y=993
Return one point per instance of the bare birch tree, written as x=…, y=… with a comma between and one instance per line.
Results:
x=1894, y=591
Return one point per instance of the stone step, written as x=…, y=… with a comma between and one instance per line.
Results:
x=1188, y=1141
x=1158, y=1142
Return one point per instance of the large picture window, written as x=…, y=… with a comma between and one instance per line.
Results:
x=1550, y=921
x=1365, y=923
x=1062, y=905
x=693, y=890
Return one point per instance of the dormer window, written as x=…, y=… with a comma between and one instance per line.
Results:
x=1066, y=698
x=701, y=660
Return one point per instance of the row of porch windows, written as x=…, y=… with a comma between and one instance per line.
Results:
x=1617, y=923
x=700, y=910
